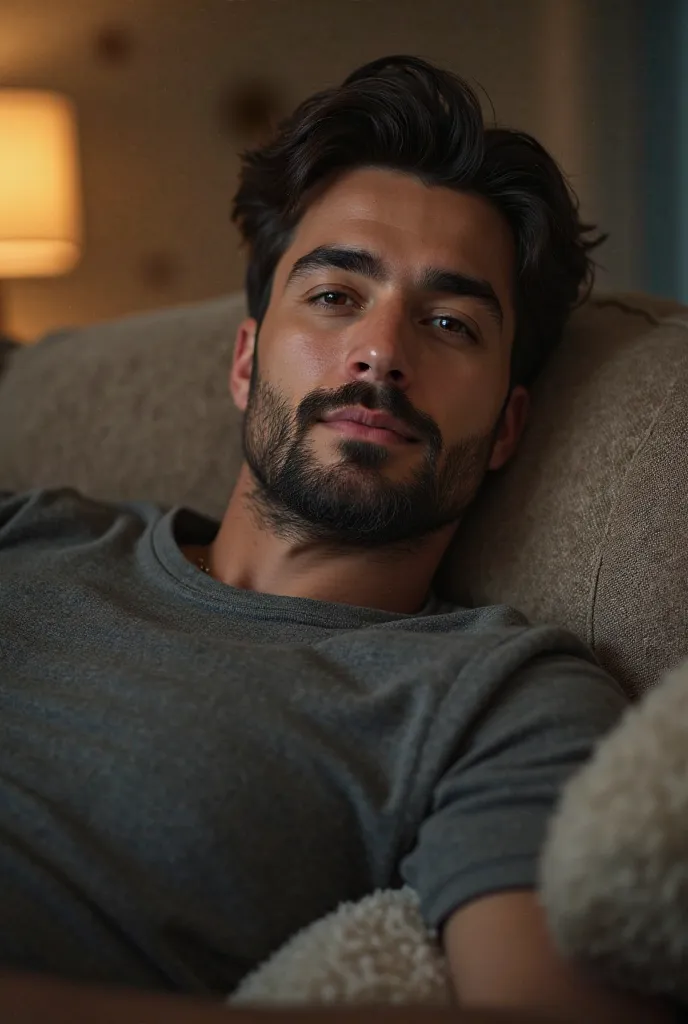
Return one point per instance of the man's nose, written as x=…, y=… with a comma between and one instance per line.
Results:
x=379, y=353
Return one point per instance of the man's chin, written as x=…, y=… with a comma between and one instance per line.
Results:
x=365, y=466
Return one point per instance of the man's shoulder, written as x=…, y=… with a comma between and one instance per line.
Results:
x=52, y=511
x=505, y=660
x=502, y=634
x=494, y=660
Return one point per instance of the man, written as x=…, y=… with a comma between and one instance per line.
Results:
x=212, y=735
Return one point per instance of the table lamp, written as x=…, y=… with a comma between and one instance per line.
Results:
x=40, y=203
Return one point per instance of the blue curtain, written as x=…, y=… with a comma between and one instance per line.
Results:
x=663, y=59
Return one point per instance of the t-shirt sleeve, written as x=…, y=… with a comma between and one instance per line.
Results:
x=489, y=813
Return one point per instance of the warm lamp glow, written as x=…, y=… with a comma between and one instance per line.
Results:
x=40, y=214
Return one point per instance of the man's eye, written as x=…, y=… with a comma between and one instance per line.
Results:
x=451, y=325
x=330, y=298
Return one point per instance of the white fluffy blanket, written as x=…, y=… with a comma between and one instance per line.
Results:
x=375, y=951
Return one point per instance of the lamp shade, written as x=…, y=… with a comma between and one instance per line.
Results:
x=40, y=204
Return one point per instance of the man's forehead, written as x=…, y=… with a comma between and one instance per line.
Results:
x=408, y=224
x=375, y=195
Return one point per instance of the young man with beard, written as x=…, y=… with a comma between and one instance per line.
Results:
x=212, y=734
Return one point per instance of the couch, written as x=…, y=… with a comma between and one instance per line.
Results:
x=585, y=527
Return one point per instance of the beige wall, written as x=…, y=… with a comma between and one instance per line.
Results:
x=159, y=169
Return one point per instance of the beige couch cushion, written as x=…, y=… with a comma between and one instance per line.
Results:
x=586, y=527
x=129, y=409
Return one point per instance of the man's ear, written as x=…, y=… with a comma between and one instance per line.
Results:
x=512, y=423
x=242, y=362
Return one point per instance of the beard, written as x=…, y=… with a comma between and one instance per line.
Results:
x=351, y=503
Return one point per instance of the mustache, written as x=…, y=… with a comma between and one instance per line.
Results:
x=380, y=399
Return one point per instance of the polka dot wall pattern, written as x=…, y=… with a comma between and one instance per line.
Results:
x=248, y=111
x=113, y=44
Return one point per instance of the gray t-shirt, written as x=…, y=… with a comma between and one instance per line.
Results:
x=191, y=772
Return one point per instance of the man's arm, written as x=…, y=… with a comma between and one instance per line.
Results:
x=500, y=955
x=36, y=999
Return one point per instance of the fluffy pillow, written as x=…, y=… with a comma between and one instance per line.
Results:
x=615, y=866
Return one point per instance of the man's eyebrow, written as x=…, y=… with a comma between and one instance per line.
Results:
x=325, y=257
x=368, y=264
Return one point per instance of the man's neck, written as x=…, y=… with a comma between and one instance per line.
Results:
x=247, y=554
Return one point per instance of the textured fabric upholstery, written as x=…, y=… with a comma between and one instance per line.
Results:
x=586, y=526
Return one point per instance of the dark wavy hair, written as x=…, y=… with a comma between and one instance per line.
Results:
x=404, y=114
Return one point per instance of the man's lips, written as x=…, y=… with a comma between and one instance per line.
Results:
x=360, y=422
x=380, y=435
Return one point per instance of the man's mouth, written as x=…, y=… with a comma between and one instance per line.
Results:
x=370, y=423
x=380, y=435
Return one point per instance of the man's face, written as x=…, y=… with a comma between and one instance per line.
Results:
x=393, y=298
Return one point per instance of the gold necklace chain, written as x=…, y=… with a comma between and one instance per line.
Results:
x=202, y=564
